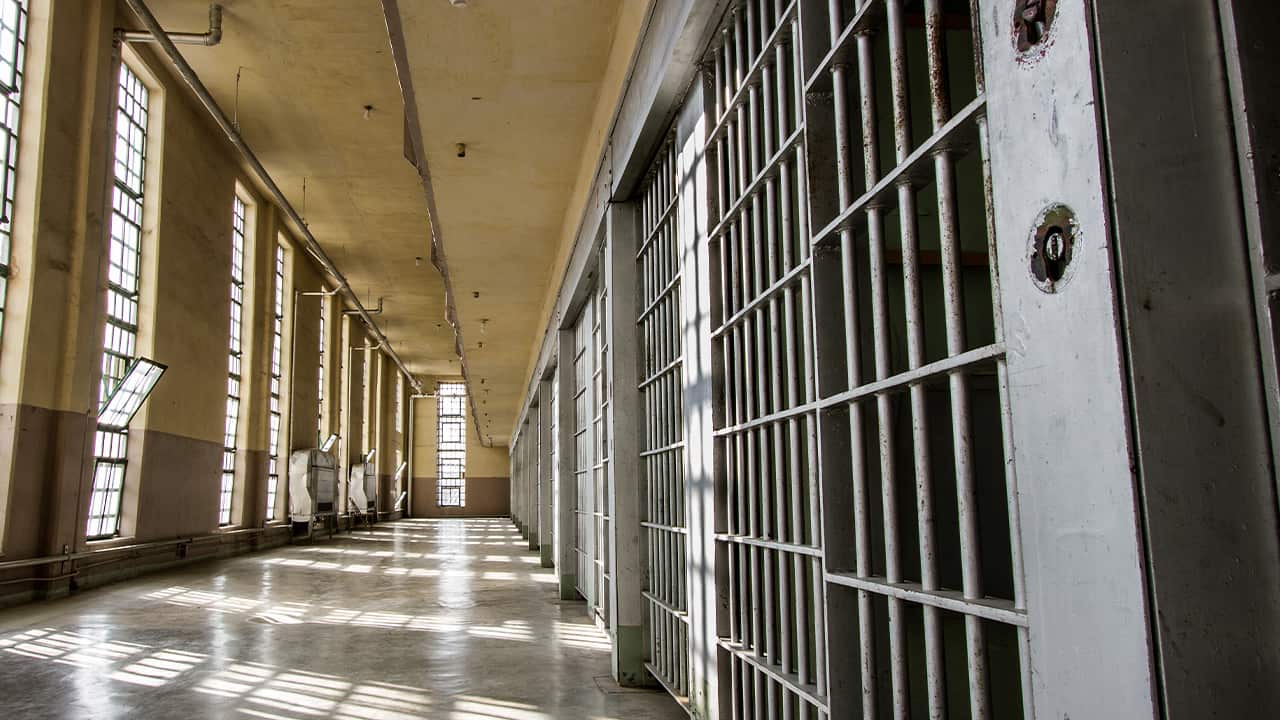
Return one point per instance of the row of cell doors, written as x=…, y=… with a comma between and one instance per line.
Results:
x=880, y=264
x=856, y=518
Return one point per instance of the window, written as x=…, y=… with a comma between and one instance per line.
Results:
x=451, y=447
x=399, y=431
x=13, y=49
x=277, y=340
x=121, y=332
x=320, y=428
x=233, y=363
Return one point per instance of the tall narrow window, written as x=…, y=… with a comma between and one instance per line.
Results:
x=13, y=49
x=399, y=434
x=231, y=430
x=277, y=340
x=121, y=332
x=320, y=429
x=451, y=447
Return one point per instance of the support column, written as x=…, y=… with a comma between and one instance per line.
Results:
x=700, y=405
x=626, y=491
x=530, y=459
x=520, y=481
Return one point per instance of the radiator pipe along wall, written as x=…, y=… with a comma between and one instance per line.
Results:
x=158, y=35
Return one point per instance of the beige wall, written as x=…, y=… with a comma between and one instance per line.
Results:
x=51, y=343
x=488, y=486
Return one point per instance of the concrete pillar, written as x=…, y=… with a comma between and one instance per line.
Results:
x=530, y=460
x=351, y=439
x=381, y=429
x=519, y=480
x=700, y=406
x=544, y=453
x=52, y=339
x=626, y=488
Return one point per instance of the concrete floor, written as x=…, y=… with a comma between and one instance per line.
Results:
x=415, y=619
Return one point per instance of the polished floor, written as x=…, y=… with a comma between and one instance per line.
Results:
x=414, y=619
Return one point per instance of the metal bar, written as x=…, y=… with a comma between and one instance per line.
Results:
x=737, y=97
x=756, y=542
x=771, y=168
x=1001, y=611
x=960, y=131
x=807, y=691
x=790, y=278
x=909, y=378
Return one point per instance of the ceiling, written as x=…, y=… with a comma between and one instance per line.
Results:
x=519, y=82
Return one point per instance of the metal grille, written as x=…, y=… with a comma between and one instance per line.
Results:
x=774, y=639
x=600, y=448
x=922, y=566
x=584, y=535
x=121, y=332
x=277, y=345
x=662, y=412
x=451, y=445
x=13, y=50
x=551, y=468
x=232, y=425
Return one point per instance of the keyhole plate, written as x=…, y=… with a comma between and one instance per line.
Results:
x=1052, y=247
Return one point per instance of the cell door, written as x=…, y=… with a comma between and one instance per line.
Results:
x=862, y=213
x=584, y=455
x=600, y=448
x=772, y=660
x=550, y=469
x=662, y=446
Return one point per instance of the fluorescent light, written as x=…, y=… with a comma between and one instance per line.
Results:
x=400, y=470
x=329, y=443
x=139, y=380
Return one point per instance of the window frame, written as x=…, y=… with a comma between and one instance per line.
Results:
x=451, y=456
x=134, y=105
x=275, y=389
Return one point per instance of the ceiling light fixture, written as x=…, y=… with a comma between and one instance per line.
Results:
x=458, y=3
x=368, y=109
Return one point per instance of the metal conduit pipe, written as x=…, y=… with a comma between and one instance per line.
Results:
x=375, y=311
x=210, y=38
x=188, y=75
x=159, y=544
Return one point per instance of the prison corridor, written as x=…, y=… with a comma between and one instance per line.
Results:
x=411, y=620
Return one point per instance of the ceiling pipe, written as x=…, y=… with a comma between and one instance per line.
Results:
x=417, y=157
x=210, y=38
x=188, y=75
x=377, y=311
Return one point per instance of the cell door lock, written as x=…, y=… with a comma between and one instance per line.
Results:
x=1053, y=245
x=1032, y=20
